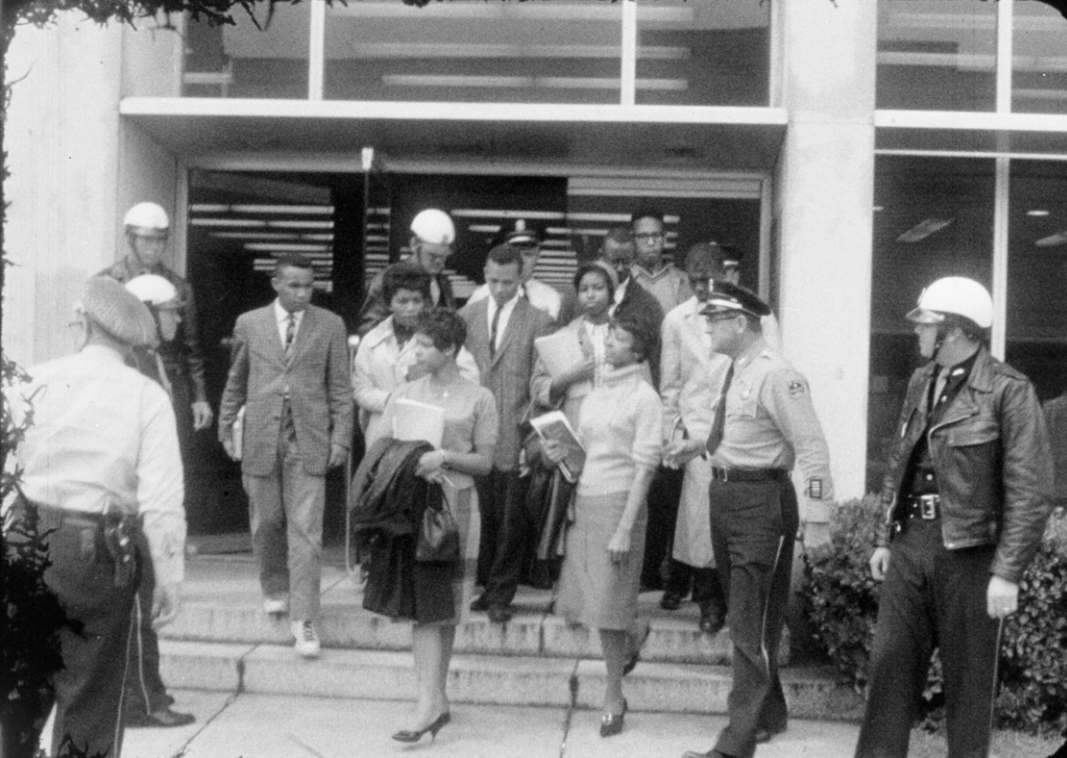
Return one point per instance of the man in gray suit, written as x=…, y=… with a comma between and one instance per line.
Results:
x=501, y=330
x=289, y=369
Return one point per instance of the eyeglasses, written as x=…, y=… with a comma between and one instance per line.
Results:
x=648, y=236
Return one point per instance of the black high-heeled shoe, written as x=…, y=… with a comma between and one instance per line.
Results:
x=611, y=723
x=407, y=735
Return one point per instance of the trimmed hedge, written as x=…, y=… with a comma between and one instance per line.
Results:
x=841, y=604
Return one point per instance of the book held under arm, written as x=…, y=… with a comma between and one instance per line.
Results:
x=237, y=434
x=555, y=426
x=561, y=352
x=413, y=420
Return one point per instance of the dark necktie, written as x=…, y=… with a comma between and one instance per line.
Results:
x=492, y=331
x=718, y=425
x=290, y=332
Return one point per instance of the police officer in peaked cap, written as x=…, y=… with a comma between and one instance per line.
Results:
x=764, y=424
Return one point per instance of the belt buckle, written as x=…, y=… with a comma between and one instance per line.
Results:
x=928, y=507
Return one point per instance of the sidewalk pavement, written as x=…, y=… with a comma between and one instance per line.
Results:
x=267, y=726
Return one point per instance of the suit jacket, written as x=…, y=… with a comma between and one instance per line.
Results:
x=317, y=374
x=507, y=375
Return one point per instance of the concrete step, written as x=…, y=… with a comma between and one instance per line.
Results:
x=533, y=631
x=274, y=669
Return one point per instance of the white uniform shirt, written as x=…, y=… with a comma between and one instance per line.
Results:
x=105, y=433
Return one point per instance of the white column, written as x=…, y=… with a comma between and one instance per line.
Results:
x=825, y=199
x=62, y=139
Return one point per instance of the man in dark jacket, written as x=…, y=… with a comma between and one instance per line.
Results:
x=968, y=490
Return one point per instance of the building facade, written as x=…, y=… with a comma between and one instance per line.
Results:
x=852, y=151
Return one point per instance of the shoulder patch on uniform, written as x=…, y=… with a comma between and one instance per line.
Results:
x=796, y=388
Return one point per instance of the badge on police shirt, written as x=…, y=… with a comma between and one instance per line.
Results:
x=796, y=388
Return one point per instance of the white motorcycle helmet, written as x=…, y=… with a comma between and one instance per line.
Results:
x=147, y=216
x=956, y=295
x=434, y=226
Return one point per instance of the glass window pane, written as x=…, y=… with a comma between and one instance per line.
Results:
x=703, y=52
x=1039, y=60
x=937, y=55
x=246, y=61
x=1037, y=274
x=933, y=217
x=474, y=51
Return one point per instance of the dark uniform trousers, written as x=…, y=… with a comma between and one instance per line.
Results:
x=664, y=493
x=509, y=530
x=753, y=528
x=932, y=596
x=89, y=688
x=145, y=691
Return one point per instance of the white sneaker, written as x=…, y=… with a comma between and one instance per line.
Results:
x=276, y=606
x=307, y=640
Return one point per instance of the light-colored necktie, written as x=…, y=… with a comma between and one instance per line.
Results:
x=290, y=332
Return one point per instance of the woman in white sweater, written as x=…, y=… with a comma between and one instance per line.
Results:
x=621, y=427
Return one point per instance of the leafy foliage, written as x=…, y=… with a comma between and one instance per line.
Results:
x=842, y=607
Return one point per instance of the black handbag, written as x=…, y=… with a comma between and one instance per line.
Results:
x=438, y=538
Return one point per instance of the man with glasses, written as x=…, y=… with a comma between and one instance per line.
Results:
x=432, y=237
x=763, y=424
x=653, y=271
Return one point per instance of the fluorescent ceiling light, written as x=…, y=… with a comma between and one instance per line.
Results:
x=924, y=229
x=879, y=208
x=1060, y=238
x=310, y=210
x=528, y=82
x=1037, y=213
x=402, y=50
x=293, y=246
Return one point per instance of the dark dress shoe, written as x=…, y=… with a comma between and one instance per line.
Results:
x=671, y=601
x=480, y=605
x=712, y=619
x=611, y=723
x=710, y=754
x=407, y=735
x=499, y=614
x=161, y=717
x=765, y=735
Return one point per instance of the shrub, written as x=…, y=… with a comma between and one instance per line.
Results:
x=841, y=604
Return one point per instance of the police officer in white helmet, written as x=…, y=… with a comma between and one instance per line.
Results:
x=432, y=237
x=146, y=702
x=967, y=492
x=147, y=231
